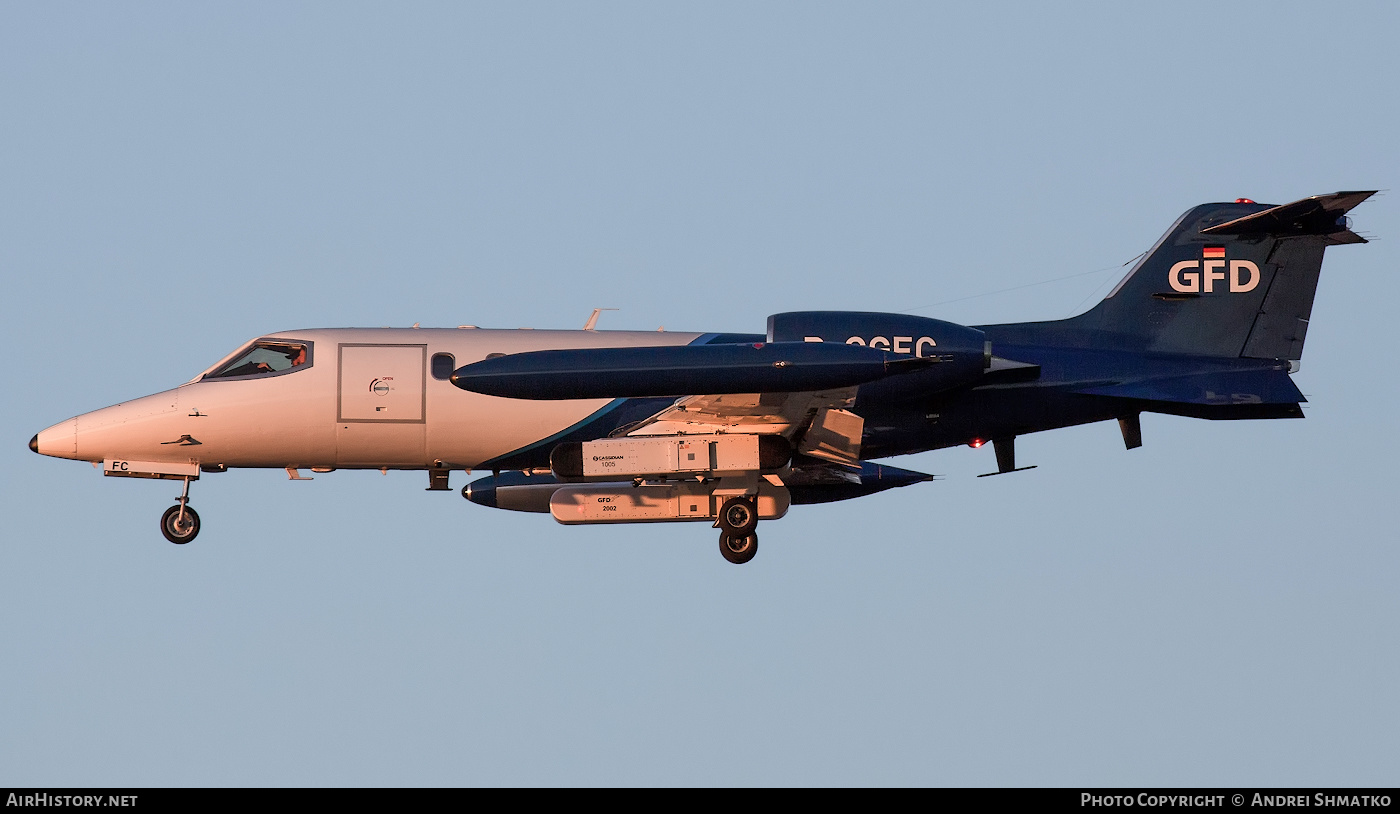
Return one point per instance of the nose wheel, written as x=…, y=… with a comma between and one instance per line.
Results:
x=180, y=523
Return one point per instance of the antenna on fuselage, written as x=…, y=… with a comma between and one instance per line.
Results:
x=592, y=322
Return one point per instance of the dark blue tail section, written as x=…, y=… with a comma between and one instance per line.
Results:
x=1227, y=280
x=1209, y=323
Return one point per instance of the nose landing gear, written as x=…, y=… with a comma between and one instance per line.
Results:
x=180, y=523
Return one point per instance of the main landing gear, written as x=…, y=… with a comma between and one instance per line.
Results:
x=738, y=550
x=738, y=523
x=180, y=524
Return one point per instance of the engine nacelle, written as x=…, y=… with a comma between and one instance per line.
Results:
x=961, y=354
x=682, y=455
x=654, y=502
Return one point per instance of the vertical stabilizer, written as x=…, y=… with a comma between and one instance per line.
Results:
x=1228, y=279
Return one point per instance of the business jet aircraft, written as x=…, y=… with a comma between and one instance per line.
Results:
x=621, y=427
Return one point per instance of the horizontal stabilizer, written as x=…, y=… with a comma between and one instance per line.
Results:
x=1258, y=386
x=1323, y=215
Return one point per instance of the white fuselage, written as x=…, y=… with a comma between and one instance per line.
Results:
x=363, y=398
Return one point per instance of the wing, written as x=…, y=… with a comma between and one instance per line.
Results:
x=798, y=389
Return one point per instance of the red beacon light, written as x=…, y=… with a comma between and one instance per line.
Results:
x=976, y=443
x=1243, y=200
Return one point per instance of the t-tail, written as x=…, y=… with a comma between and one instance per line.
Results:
x=1227, y=280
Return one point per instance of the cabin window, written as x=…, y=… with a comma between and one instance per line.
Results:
x=266, y=357
x=443, y=365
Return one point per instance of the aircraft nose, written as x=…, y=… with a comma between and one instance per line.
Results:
x=58, y=441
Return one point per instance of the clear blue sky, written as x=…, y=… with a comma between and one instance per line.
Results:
x=1218, y=607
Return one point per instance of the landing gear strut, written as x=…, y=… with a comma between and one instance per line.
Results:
x=180, y=524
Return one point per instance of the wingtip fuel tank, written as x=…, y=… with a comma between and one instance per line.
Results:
x=637, y=372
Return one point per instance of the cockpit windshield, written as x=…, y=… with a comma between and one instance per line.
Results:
x=265, y=357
